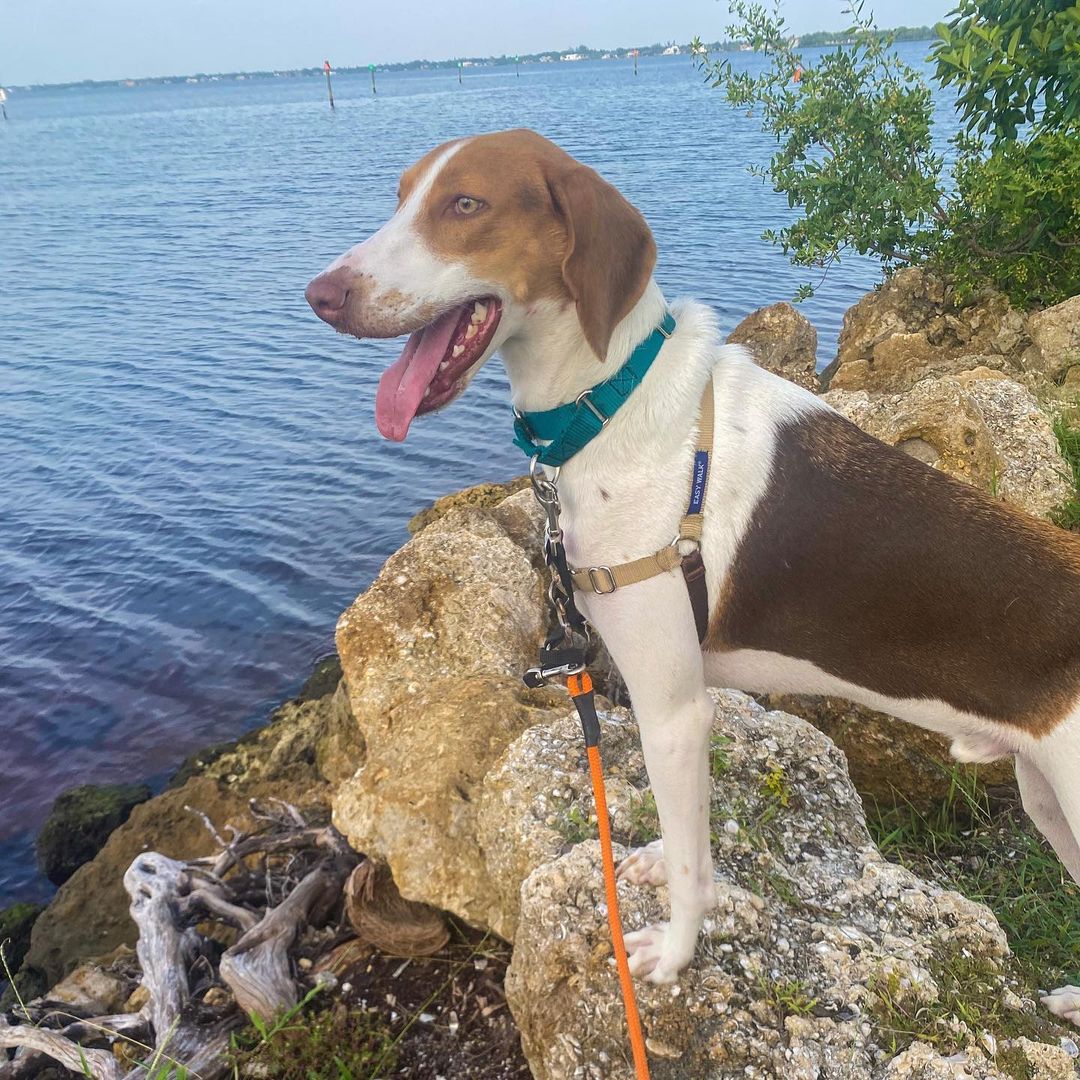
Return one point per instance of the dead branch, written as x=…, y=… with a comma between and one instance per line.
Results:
x=304, y=865
x=101, y=1064
x=256, y=969
x=155, y=883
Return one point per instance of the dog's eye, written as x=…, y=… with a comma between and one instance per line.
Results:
x=466, y=204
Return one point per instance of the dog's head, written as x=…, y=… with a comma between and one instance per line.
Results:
x=487, y=229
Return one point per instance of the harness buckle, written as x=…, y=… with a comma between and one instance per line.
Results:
x=596, y=578
x=586, y=400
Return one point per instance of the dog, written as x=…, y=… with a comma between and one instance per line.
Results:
x=834, y=563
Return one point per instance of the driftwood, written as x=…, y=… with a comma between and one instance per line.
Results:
x=101, y=1063
x=256, y=968
x=271, y=886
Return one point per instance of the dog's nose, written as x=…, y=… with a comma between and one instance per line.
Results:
x=327, y=295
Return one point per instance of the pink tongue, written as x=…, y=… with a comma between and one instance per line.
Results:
x=402, y=386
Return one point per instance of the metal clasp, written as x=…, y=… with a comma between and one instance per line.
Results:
x=594, y=574
x=585, y=399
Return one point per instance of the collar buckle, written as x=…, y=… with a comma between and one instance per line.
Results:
x=585, y=398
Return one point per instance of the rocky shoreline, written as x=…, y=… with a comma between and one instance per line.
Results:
x=427, y=754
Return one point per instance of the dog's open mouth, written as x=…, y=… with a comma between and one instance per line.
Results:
x=433, y=367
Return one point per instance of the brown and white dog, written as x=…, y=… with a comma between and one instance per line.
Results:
x=836, y=565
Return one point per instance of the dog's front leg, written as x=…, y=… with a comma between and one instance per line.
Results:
x=649, y=631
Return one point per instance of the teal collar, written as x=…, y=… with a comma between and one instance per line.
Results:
x=567, y=428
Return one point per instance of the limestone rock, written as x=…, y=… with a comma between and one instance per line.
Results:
x=977, y=426
x=89, y=914
x=1055, y=335
x=811, y=933
x=890, y=762
x=912, y=327
x=1015, y=1058
x=782, y=341
x=80, y=822
x=94, y=988
x=433, y=654
x=480, y=495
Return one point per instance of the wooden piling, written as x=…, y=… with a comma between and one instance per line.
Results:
x=371, y=68
x=635, y=61
x=329, y=85
x=459, y=65
x=517, y=66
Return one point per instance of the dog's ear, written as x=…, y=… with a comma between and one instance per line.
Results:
x=610, y=252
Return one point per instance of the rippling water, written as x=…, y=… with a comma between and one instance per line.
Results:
x=191, y=483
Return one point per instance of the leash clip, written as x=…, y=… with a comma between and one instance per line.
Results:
x=539, y=676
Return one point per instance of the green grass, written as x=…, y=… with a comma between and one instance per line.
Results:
x=992, y=853
x=338, y=1042
x=720, y=755
x=1067, y=433
x=644, y=818
x=970, y=996
x=790, y=997
x=575, y=826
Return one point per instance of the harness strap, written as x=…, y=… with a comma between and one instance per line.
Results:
x=604, y=580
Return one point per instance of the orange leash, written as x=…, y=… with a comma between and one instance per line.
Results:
x=581, y=690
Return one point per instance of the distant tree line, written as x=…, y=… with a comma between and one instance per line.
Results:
x=845, y=37
x=586, y=52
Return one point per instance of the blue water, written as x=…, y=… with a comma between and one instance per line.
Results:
x=191, y=483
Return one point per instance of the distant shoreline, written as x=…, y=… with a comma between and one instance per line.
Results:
x=816, y=39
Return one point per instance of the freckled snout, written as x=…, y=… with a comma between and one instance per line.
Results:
x=328, y=295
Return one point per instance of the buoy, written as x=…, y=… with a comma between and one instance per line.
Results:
x=329, y=87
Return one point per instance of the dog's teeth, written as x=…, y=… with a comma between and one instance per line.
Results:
x=457, y=350
x=479, y=312
x=471, y=331
x=427, y=393
x=444, y=365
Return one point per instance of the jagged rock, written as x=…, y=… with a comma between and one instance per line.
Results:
x=80, y=822
x=890, y=762
x=89, y=914
x=783, y=341
x=433, y=654
x=93, y=988
x=480, y=495
x=1055, y=335
x=1021, y=1058
x=977, y=426
x=813, y=938
x=912, y=328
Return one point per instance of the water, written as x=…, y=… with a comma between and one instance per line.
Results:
x=191, y=483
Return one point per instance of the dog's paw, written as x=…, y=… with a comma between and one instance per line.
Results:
x=645, y=865
x=1064, y=1002
x=649, y=951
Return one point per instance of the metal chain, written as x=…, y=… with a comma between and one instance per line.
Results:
x=564, y=650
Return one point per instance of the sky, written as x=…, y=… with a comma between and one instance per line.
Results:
x=43, y=41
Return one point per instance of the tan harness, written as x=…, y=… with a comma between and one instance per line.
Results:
x=604, y=580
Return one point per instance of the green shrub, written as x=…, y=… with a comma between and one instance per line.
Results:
x=855, y=152
x=1014, y=222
